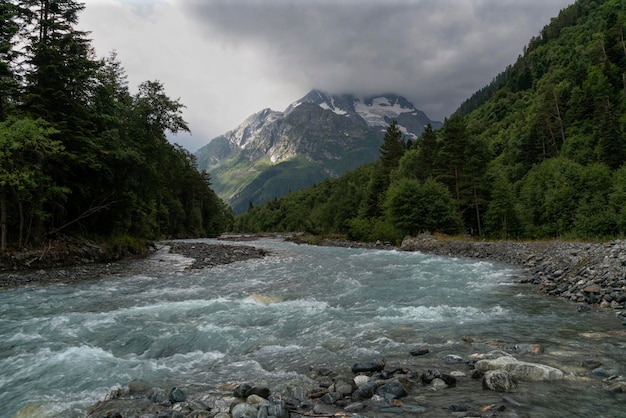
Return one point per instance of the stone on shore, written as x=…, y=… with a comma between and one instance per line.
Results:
x=244, y=410
x=520, y=370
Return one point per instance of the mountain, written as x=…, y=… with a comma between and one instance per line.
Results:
x=319, y=136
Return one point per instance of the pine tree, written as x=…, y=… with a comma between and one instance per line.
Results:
x=8, y=57
x=392, y=148
x=427, y=153
x=60, y=68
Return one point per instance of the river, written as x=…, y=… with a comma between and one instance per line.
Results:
x=66, y=346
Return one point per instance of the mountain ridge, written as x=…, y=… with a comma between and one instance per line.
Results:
x=326, y=134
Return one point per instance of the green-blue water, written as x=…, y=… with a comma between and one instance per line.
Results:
x=63, y=347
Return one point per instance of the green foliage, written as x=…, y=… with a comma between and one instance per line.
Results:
x=413, y=207
x=78, y=153
x=124, y=245
x=501, y=218
x=25, y=187
x=548, y=198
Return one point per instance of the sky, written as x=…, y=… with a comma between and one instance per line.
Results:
x=227, y=59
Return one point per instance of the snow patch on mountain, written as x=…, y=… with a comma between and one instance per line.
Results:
x=381, y=111
x=332, y=107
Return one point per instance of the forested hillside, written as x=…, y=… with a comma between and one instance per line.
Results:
x=81, y=155
x=538, y=153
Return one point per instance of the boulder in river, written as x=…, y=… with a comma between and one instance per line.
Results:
x=368, y=367
x=499, y=381
x=521, y=370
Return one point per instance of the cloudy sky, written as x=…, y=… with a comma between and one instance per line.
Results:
x=227, y=59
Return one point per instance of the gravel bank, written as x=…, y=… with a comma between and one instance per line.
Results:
x=588, y=273
x=84, y=262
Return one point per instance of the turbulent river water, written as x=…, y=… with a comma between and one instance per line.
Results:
x=64, y=347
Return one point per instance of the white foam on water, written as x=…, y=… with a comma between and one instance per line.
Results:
x=439, y=313
x=95, y=323
x=24, y=337
x=161, y=307
x=279, y=349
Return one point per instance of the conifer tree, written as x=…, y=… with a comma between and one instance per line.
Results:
x=392, y=148
x=8, y=56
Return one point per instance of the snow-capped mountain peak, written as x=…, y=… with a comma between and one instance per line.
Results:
x=319, y=136
x=376, y=111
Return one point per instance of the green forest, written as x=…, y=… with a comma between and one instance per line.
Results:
x=79, y=154
x=538, y=153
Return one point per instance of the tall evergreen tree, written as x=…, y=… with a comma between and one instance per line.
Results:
x=392, y=148
x=427, y=152
x=8, y=57
x=60, y=67
x=391, y=151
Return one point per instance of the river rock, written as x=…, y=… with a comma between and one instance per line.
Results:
x=299, y=394
x=364, y=392
x=273, y=407
x=602, y=372
x=255, y=399
x=354, y=407
x=428, y=375
x=391, y=390
x=499, y=381
x=452, y=359
x=438, y=383
x=420, y=351
x=330, y=398
x=177, y=394
x=528, y=348
x=200, y=414
x=196, y=405
x=243, y=391
x=360, y=380
x=369, y=367
x=244, y=410
x=156, y=395
x=263, y=392
x=617, y=387
x=138, y=386
x=458, y=407
x=490, y=355
x=520, y=370
x=344, y=385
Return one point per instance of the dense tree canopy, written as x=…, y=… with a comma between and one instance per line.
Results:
x=81, y=155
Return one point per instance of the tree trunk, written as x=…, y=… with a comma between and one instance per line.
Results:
x=480, y=232
x=3, y=220
x=558, y=117
x=20, y=239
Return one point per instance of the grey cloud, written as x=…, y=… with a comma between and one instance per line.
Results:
x=437, y=53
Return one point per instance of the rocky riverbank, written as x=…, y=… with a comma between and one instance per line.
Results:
x=490, y=383
x=83, y=262
x=591, y=274
x=587, y=273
